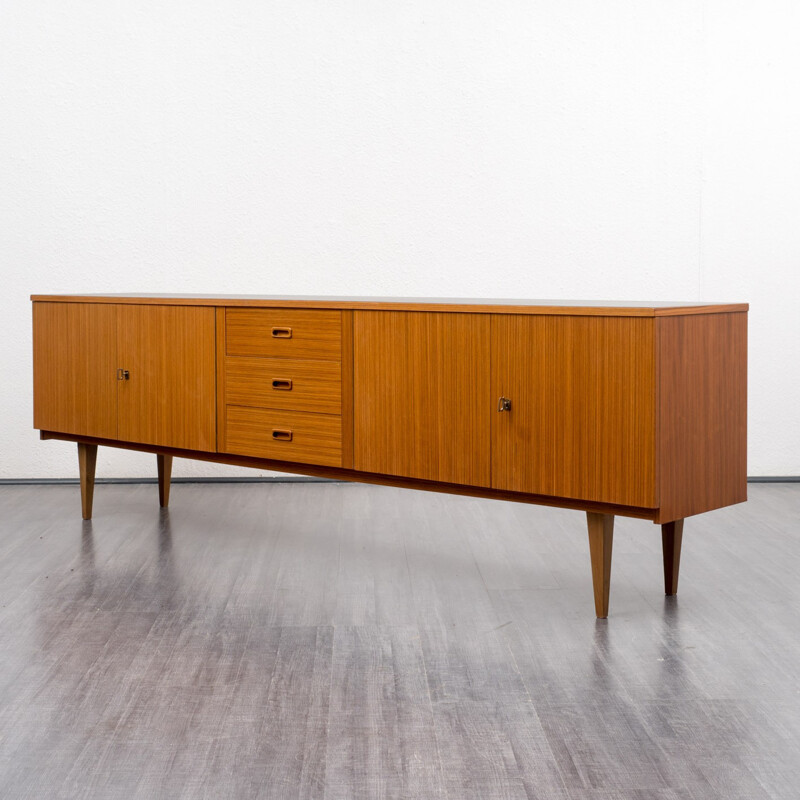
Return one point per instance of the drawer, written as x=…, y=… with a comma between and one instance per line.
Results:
x=284, y=435
x=284, y=333
x=287, y=383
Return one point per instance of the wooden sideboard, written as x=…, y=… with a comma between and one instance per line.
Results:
x=637, y=409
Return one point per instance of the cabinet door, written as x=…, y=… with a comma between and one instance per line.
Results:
x=169, y=396
x=582, y=417
x=421, y=383
x=74, y=368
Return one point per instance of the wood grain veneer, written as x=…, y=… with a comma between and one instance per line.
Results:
x=582, y=418
x=316, y=386
x=315, y=438
x=348, y=389
x=219, y=326
x=314, y=334
x=422, y=406
x=310, y=358
x=74, y=368
x=453, y=304
x=170, y=394
x=702, y=417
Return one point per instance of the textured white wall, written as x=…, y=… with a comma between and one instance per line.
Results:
x=549, y=149
x=750, y=220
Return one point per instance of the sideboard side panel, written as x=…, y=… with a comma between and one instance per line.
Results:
x=74, y=368
x=702, y=412
x=421, y=395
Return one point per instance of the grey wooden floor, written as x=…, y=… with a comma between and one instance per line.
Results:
x=343, y=641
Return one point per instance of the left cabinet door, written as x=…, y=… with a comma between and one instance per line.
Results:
x=74, y=368
x=169, y=396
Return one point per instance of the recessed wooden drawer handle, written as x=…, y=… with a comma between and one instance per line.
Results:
x=281, y=333
x=282, y=436
x=282, y=383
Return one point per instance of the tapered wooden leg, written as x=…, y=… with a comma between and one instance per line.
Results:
x=87, y=461
x=164, y=475
x=601, y=537
x=671, y=539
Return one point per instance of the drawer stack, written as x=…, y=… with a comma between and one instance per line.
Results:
x=281, y=384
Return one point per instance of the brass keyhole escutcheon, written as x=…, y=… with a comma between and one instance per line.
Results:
x=504, y=404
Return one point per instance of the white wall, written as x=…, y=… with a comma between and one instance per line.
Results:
x=623, y=149
x=750, y=221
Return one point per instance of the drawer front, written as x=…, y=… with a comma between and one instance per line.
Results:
x=284, y=435
x=284, y=333
x=285, y=383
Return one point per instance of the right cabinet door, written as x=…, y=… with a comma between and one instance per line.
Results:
x=581, y=422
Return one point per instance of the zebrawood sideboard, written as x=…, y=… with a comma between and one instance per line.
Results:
x=636, y=409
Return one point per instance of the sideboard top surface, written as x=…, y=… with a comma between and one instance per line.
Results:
x=623, y=308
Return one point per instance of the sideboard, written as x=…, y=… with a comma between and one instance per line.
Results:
x=633, y=409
